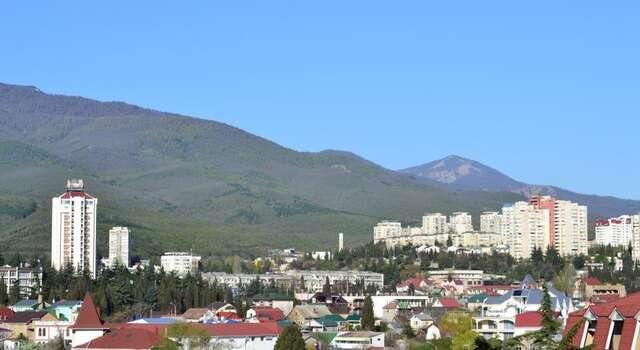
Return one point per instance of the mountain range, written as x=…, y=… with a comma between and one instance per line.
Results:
x=184, y=183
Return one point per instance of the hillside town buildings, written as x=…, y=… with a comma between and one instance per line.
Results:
x=541, y=222
x=73, y=229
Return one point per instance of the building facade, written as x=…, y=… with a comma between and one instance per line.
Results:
x=491, y=221
x=571, y=228
x=615, y=231
x=119, y=246
x=73, y=229
x=26, y=277
x=524, y=227
x=434, y=223
x=460, y=222
x=180, y=263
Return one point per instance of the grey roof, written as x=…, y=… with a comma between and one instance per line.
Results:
x=533, y=296
x=65, y=303
x=527, y=281
x=26, y=303
x=424, y=316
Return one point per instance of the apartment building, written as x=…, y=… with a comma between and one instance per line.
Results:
x=387, y=230
x=434, y=223
x=73, y=229
x=119, y=246
x=26, y=277
x=615, y=231
x=571, y=232
x=567, y=224
x=460, y=222
x=491, y=221
x=524, y=227
x=181, y=263
x=636, y=237
x=310, y=280
x=471, y=239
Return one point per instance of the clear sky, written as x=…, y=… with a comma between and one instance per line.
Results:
x=546, y=91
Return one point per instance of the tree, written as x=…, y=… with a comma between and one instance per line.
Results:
x=564, y=280
x=4, y=297
x=197, y=338
x=464, y=340
x=367, y=314
x=14, y=293
x=408, y=332
x=453, y=323
x=326, y=288
x=290, y=339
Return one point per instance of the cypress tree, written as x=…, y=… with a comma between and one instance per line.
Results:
x=4, y=297
x=367, y=314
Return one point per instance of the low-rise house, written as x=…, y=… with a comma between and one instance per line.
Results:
x=498, y=313
x=24, y=323
x=221, y=307
x=389, y=311
x=65, y=310
x=475, y=301
x=198, y=315
x=124, y=338
x=421, y=321
x=49, y=330
x=27, y=305
x=275, y=300
x=261, y=313
x=595, y=288
x=354, y=321
x=6, y=314
x=358, y=340
x=446, y=303
x=303, y=315
x=240, y=336
x=432, y=332
x=527, y=322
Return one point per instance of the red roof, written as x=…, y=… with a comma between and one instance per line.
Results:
x=75, y=194
x=391, y=306
x=229, y=315
x=269, y=313
x=449, y=303
x=6, y=314
x=125, y=338
x=88, y=317
x=592, y=281
x=627, y=307
x=529, y=319
x=415, y=281
x=267, y=328
x=604, y=298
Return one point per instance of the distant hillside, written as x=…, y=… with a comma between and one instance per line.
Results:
x=455, y=172
x=182, y=182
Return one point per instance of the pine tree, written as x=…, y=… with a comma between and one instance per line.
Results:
x=290, y=339
x=544, y=338
x=367, y=314
x=326, y=288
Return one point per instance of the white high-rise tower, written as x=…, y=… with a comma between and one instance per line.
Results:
x=119, y=246
x=340, y=241
x=73, y=229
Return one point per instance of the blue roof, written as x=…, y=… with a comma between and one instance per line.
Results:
x=26, y=303
x=160, y=320
x=66, y=303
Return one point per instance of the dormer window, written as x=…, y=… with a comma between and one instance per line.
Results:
x=615, y=331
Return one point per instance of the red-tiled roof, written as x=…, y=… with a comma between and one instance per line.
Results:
x=88, y=317
x=529, y=319
x=627, y=307
x=267, y=328
x=6, y=314
x=449, y=303
x=269, y=313
x=592, y=281
x=229, y=315
x=73, y=194
x=391, y=306
x=125, y=338
x=415, y=281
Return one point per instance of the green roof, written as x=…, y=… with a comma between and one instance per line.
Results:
x=331, y=320
x=353, y=317
x=478, y=298
x=403, y=304
x=325, y=337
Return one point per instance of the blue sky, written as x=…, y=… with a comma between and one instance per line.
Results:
x=547, y=92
